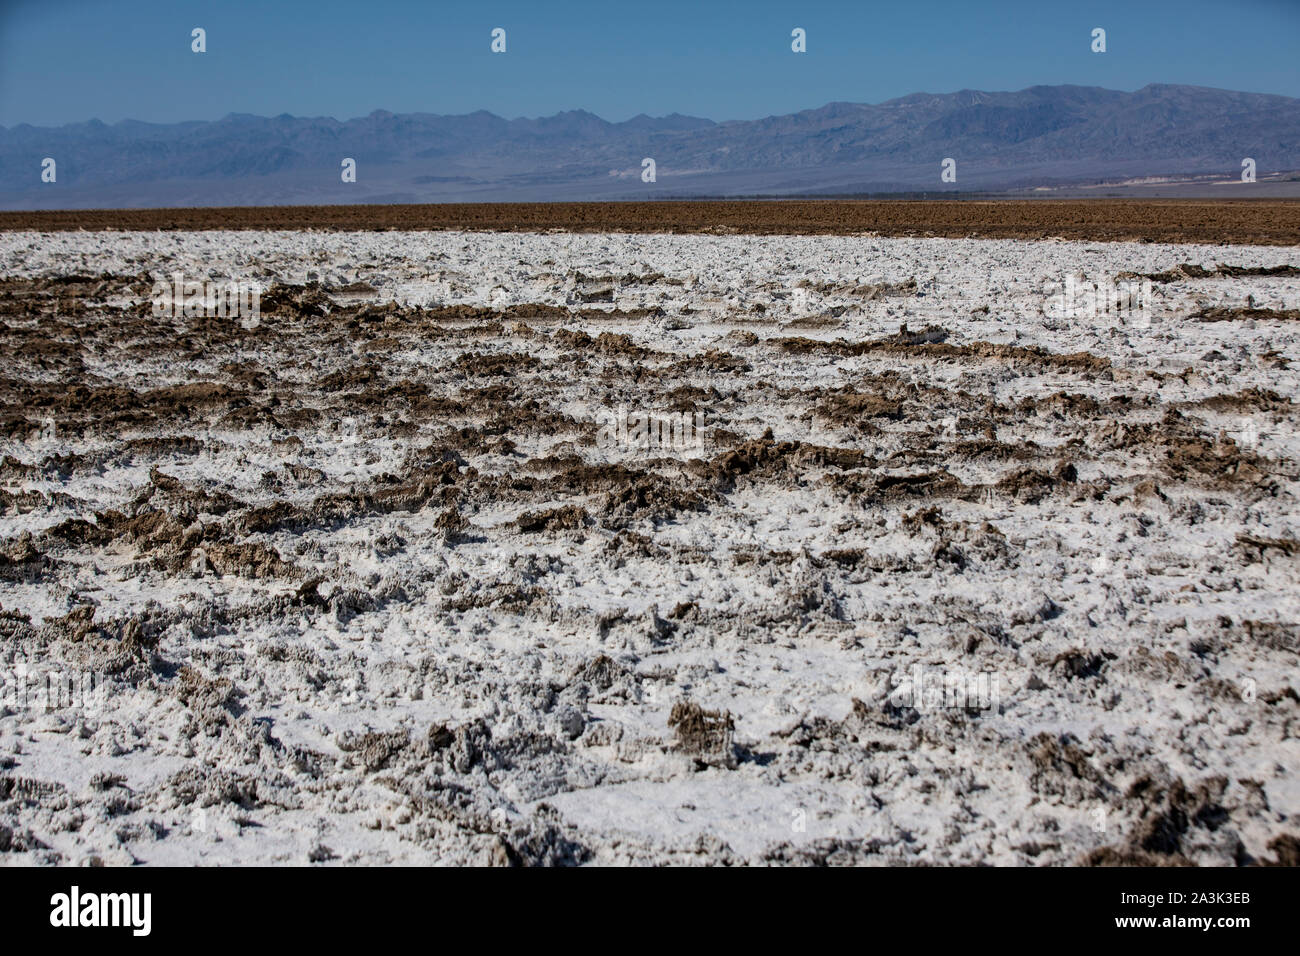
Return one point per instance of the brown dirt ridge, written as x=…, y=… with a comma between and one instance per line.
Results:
x=1253, y=222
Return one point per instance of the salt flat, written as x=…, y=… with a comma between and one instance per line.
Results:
x=962, y=570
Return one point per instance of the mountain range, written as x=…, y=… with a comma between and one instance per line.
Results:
x=1040, y=138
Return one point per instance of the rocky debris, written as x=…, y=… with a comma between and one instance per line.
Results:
x=365, y=584
x=706, y=735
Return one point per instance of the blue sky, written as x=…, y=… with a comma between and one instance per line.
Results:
x=72, y=60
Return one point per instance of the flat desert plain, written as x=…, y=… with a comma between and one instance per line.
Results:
x=556, y=547
x=1257, y=222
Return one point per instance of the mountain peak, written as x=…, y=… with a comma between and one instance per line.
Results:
x=1000, y=140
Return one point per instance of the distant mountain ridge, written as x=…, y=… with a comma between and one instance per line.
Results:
x=1044, y=135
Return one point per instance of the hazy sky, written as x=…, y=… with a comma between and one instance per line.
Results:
x=67, y=61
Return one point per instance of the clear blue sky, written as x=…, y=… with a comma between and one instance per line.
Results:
x=72, y=60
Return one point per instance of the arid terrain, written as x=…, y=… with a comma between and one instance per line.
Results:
x=1257, y=222
x=973, y=562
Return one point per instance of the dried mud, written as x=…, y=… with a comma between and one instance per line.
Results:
x=362, y=584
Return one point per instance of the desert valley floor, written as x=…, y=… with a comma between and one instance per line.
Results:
x=958, y=572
